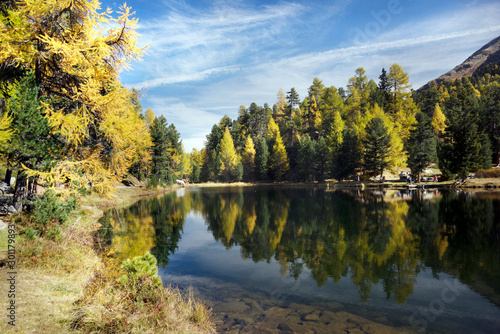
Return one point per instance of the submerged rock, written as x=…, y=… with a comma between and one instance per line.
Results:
x=231, y=307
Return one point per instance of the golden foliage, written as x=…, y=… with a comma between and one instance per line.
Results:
x=6, y=131
x=77, y=53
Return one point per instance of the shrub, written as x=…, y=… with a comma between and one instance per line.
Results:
x=141, y=277
x=30, y=233
x=54, y=232
x=47, y=208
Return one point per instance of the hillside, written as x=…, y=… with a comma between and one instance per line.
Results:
x=488, y=54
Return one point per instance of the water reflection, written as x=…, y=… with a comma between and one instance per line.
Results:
x=369, y=238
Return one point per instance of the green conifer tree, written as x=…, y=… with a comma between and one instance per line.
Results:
x=421, y=145
x=377, y=146
x=261, y=160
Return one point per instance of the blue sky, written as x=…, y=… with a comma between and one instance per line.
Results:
x=206, y=58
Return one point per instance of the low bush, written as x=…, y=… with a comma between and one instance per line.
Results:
x=49, y=208
x=138, y=303
x=141, y=277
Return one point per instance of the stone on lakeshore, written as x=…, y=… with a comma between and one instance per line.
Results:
x=230, y=307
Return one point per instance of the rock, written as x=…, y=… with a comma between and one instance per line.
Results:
x=230, y=307
x=285, y=328
x=311, y=317
x=2, y=225
x=11, y=209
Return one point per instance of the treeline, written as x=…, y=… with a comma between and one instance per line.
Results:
x=358, y=131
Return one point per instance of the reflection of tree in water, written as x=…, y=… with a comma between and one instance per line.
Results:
x=333, y=234
x=168, y=214
x=153, y=225
x=460, y=235
x=371, y=239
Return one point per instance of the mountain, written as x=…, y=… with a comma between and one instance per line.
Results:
x=488, y=54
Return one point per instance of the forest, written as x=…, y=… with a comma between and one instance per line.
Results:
x=67, y=122
x=359, y=131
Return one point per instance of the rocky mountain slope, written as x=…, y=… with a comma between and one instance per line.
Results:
x=488, y=54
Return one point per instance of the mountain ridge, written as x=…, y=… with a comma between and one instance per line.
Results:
x=488, y=54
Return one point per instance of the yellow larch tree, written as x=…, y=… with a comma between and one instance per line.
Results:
x=77, y=53
x=438, y=121
x=248, y=159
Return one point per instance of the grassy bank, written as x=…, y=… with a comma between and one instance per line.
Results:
x=63, y=286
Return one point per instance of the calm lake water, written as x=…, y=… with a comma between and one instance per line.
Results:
x=309, y=260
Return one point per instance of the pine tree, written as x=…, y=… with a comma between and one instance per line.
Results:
x=377, y=146
x=421, y=145
x=460, y=152
x=321, y=160
x=261, y=160
x=278, y=159
x=293, y=100
x=305, y=159
x=160, y=169
x=348, y=160
x=32, y=143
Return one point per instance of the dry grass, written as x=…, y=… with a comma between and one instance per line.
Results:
x=488, y=173
x=61, y=287
x=107, y=308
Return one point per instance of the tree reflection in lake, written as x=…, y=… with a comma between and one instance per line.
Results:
x=370, y=238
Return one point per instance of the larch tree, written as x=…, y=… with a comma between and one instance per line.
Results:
x=76, y=54
x=278, y=159
x=438, y=121
x=229, y=159
x=402, y=108
x=248, y=159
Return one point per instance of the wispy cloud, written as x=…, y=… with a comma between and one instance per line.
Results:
x=217, y=58
x=192, y=45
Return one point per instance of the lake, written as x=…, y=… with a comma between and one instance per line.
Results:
x=306, y=259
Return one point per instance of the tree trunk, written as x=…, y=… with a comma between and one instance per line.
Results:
x=21, y=192
x=8, y=175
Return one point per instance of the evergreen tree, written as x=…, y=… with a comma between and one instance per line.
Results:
x=261, y=160
x=293, y=100
x=305, y=161
x=160, y=169
x=461, y=151
x=377, y=146
x=194, y=177
x=421, y=145
x=321, y=160
x=348, y=159
x=486, y=151
x=33, y=143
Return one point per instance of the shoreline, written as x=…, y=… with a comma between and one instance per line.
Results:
x=43, y=282
x=51, y=282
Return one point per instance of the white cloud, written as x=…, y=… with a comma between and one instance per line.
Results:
x=252, y=53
